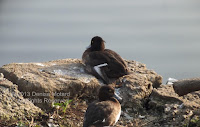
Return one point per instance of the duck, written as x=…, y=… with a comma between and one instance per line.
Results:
x=106, y=111
x=104, y=64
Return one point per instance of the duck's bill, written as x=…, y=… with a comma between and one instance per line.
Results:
x=118, y=97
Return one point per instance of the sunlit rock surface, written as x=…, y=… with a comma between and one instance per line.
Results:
x=44, y=83
x=145, y=101
x=54, y=81
x=13, y=106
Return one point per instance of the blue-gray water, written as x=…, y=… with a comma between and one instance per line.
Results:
x=163, y=34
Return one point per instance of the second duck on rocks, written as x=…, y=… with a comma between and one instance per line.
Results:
x=103, y=63
x=106, y=111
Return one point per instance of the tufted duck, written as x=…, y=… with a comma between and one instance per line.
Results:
x=106, y=111
x=104, y=63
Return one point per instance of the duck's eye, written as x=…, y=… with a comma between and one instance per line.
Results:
x=92, y=42
x=110, y=91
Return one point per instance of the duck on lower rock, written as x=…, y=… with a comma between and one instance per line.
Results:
x=106, y=111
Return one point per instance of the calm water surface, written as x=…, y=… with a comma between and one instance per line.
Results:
x=163, y=34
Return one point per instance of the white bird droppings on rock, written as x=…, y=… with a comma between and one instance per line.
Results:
x=39, y=64
x=62, y=79
x=170, y=81
x=60, y=72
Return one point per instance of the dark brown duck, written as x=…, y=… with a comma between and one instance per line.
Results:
x=106, y=111
x=103, y=63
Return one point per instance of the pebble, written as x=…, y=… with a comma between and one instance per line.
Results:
x=141, y=117
x=190, y=113
x=175, y=111
x=185, y=116
x=175, y=106
x=83, y=111
x=167, y=109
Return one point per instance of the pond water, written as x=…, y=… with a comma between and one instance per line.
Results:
x=163, y=34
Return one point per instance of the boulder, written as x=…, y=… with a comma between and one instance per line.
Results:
x=145, y=103
x=138, y=85
x=55, y=81
x=163, y=108
x=13, y=106
x=49, y=82
x=183, y=87
x=170, y=109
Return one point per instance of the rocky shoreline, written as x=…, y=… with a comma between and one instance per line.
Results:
x=29, y=92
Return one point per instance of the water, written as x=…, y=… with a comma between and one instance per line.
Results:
x=163, y=34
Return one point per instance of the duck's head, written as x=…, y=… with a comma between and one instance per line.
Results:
x=97, y=44
x=107, y=92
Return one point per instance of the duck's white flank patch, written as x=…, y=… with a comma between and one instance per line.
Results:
x=98, y=70
x=101, y=65
x=118, y=115
x=117, y=97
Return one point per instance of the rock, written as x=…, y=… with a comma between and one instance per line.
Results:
x=183, y=87
x=165, y=95
x=44, y=83
x=13, y=106
x=138, y=85
x=135, y=88
x=145, y=101
x=127, y=116
x=170, y=108
x=54, y=81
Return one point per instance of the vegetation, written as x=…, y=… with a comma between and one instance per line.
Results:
x=194, y=122
x=63, y=105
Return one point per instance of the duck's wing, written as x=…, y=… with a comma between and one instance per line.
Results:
x=97, y=114
x=102, y=57
x=117, y=66
x=106, y=64
x=95, y=58
x=117, y=56
x=94, y=62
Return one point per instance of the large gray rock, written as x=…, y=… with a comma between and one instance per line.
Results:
x=54, y=81
x=13, y=106
x=40, y=81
